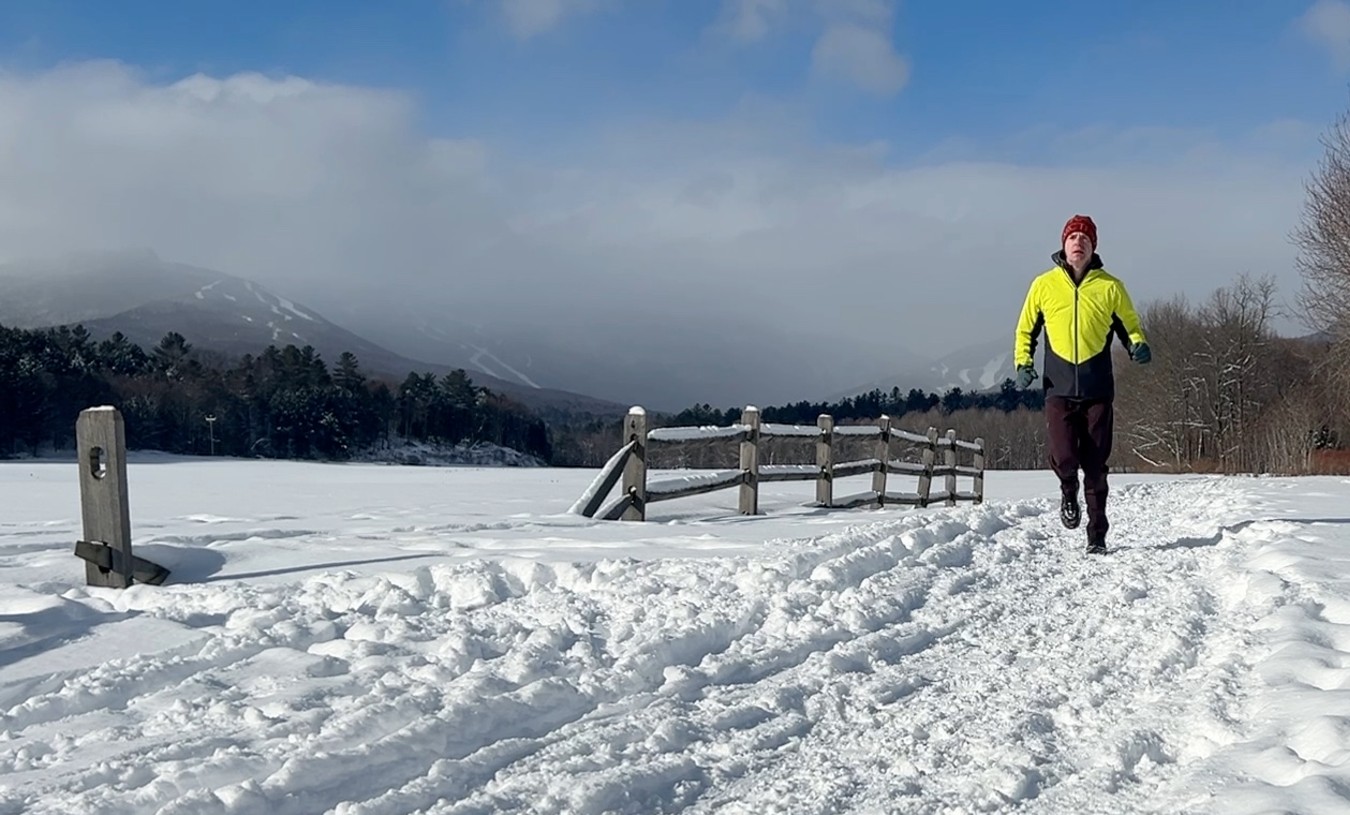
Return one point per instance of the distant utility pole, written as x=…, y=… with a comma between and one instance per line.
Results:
x=211, y=428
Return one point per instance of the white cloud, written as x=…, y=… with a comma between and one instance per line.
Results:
x=529, y=18
x=876, y=12
x=749, y=20
x=331, y=193
x=855, y=42
x=864, y=56
x=1327, y=23
x=858, y=45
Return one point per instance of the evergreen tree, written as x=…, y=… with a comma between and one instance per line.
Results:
x=282, y=402
x=172, y=356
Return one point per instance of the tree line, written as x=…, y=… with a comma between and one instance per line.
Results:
x=872, y=404
x=282, y=403
x=1224, y=393
x=1006, y=417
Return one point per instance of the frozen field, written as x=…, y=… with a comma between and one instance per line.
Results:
x=374, y=639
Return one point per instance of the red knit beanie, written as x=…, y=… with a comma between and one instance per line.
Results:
x=1080, y=223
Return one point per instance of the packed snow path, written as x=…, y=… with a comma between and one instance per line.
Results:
x=932, y=661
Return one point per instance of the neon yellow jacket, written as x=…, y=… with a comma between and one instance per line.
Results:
x=1079, y=320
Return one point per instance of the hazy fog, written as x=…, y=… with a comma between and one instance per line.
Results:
x=335, y=196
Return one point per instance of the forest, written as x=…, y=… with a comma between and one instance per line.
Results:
x=282, y=403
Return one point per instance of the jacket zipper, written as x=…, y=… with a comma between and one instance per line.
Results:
x=1077, y=389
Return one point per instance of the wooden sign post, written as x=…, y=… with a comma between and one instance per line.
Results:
x=100, y=440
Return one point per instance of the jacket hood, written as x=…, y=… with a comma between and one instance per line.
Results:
x=1095, y=262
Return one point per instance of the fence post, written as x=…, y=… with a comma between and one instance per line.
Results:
x=883, y=453
x=929, y=458
x=750, y=462
x=979, y=471
x=100, y=437
x=100, y=440
x=635, y=469
x=950, y=461
x=825, y=460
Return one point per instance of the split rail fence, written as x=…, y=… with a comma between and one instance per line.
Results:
x=629, y=465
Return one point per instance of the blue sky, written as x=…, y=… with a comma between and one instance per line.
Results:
x=978, y=70
x=624, y=162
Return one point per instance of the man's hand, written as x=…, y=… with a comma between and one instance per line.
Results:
x=1026, y=374
x=1140, y=353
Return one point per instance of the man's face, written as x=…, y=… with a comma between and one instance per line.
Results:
x=1077, y=248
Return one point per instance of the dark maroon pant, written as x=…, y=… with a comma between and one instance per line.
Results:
x=1080, y=433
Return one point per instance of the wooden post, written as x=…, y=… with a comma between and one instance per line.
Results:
x=979, y=471
x=635, y=469
x=825, y=460
x=100, y=441
x=883, y=453
x=100, y=437
x=750, y=462
x=950, y=461
x=929, y=459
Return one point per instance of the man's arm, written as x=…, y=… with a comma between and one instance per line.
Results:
x=1029, y=324
x=1131, y=332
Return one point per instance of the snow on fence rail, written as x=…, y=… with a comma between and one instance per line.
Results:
x=630, y=464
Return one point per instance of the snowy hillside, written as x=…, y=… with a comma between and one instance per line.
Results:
x=375, y=639
x=665, y=360
x=144, y=298
x=282, y=319
x=82, y=286
x=979, y=367
x=560, y=360
x=978, y=374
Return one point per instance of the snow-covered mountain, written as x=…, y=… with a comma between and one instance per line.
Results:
x=144, y=298
x=83, y=286
x=663, y=361
x=979, y=367
x=655, y=355
x=481, y=347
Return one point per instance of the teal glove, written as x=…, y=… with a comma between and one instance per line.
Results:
x=1026, y=374
x=1140, y=353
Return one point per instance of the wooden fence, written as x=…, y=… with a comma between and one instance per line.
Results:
x=629, y=464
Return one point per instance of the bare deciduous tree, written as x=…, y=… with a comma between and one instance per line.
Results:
x=1323, y=241
x=1236, y=381
x=1323, y=236
x=1158, y=407
x=1215, y=373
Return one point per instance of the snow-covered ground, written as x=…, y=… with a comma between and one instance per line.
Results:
x=374, y=639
